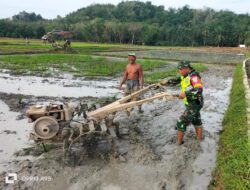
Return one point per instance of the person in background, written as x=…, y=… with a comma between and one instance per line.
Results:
x=133, y=77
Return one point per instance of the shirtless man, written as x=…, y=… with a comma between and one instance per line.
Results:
x=133, y=76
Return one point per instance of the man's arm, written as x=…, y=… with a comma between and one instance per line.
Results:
x=172, y=81
x=141, y=77
x=124, y=78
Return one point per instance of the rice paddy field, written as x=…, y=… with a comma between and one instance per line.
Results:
x=95, y=60
x=202, y=56
x=35, y=73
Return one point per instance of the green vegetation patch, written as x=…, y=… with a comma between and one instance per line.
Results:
x=233, y=163
x=14, y=45
x=80, y=65
x=155, y=77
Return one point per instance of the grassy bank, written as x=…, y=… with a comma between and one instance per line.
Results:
x=232, y=170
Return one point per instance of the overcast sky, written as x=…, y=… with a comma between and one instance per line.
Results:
x=52, y=8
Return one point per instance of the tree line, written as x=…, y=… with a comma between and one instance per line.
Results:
x=137, y=22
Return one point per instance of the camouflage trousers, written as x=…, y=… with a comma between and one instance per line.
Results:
x=190, y=116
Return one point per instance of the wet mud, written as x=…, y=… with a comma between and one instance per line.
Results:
x=149, y=159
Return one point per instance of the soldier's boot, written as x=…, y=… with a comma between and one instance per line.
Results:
x=180, y=138
x=198, y=131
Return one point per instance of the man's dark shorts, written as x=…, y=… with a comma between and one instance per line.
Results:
x=132, y=86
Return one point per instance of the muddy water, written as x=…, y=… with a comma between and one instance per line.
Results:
x=153, y=160
x=13, y=135
x=181, y=167
x=213, y=113
x=65, y=87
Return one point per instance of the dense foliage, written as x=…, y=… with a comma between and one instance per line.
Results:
x=138, y=23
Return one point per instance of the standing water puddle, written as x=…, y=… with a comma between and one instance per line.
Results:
x=13, y=135
x=54, y=87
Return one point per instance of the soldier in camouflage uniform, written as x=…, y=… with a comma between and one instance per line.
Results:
x=192, y=88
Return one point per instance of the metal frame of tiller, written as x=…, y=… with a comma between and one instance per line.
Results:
x=97, y=123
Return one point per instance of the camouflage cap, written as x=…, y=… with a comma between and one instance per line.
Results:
x=183, y=64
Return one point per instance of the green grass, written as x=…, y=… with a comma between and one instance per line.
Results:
x=232, y=170
x=13, y=45
x=155, y=77
x=83, y=47
x=84, y=65
x=80, y=65
x=248, y=53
